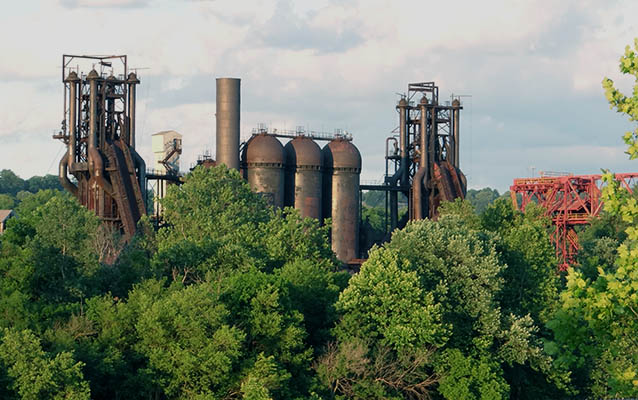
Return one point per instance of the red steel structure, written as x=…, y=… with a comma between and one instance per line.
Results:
x=569, y=200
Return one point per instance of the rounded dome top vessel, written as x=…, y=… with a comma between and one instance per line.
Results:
x=264, y=149
x=303, y=152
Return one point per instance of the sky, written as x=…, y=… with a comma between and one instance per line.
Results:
x=531, y=71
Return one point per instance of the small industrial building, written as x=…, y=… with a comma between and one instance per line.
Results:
x=167, y=148
x=4, y=217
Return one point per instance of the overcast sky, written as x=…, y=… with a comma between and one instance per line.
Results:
x=533, y=70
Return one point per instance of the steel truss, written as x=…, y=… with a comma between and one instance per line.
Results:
x=569, y=201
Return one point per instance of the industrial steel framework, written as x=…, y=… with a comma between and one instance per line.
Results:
x=569, y=200
x=98, y=129
x=422, y=155
x=300, y=131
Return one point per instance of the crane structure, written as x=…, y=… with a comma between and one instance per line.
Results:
x=569, y=200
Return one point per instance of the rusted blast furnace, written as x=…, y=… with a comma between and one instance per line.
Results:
x=99, y=131
x=422, y=160
x=434, y=152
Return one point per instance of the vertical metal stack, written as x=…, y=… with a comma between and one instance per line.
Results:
x=99, y=131
x=227, y=121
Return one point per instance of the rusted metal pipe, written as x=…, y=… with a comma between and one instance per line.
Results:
x=433, y=137
x=73, y=81
x=132, y=82
x=417, y=190
x=141, y=177
x=424, y=133
x=421, y=175
x=394, y=197
x=64, y=178
x=456, y=112
x=403, y=140
x=96, y=164
x=92, y=77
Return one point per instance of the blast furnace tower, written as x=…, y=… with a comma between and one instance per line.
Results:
x=422, y=161
x=99, y=131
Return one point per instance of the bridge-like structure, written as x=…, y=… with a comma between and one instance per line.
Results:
x=569, y=200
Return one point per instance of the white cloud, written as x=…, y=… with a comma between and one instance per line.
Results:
x=104, y=3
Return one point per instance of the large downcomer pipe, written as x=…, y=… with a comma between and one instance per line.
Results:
x=227, y=122
x=420, y=203
x=403, y=140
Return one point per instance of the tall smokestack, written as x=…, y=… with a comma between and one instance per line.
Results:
x=227, y=136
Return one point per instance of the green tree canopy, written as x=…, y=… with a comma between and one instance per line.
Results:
x=225, y=304
x=431, y=302
x=596, y=324
x=14, y=189
x=36, y=375
x=10, y=183
x=482, y=198
x=7, y=202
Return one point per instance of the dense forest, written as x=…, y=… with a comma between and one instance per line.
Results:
x=233, y=300
x=13, y=188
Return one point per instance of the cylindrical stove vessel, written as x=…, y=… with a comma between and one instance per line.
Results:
x=227, y=122
x=342, y=163
x=303, y=176
x=264, y=158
